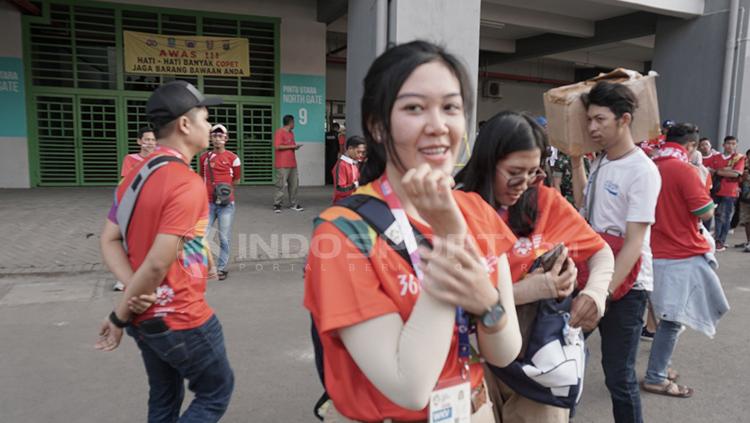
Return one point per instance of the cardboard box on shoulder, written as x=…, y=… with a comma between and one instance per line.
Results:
x=567, y=125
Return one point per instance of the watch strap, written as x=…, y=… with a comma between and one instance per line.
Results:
x=117, y=322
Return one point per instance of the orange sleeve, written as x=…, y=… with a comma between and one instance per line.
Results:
x=740, y=165
x=127, y=164
x=565, y=224
x=341, y=286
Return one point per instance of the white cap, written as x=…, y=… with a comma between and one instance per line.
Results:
x=219, y=128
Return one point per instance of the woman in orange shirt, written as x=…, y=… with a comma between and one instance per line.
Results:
x=393, y=331
x=505, y=170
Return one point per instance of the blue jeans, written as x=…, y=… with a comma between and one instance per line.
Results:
x=620, y=330
x=225, y=216
x=724, y=213
x=662, y=348
x=197, y=355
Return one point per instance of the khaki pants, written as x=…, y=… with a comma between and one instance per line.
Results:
x=287, y=181
x=483, y=415
x=513, y=408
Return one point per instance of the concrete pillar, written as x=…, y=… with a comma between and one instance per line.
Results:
x=449, y=23
x=14, y=150
x=367, y=32
x=690, y=61
x=452, y=24
x=740, y=101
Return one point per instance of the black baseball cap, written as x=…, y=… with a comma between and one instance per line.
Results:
x=174, y=99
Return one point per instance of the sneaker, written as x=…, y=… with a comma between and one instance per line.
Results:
x=277, y=209
x=297, y=207
x=646, y=335
x=742, y=245
x=747, y=248
x=119, y=286
x=720, y=247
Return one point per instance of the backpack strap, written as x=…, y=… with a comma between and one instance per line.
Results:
x=376, y=213
x=126, y=205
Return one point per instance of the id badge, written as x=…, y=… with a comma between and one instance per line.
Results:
x=450, y=402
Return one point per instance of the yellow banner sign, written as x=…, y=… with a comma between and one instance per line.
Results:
x=186, y=55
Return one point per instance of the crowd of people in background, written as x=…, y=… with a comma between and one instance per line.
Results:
x=527, y=250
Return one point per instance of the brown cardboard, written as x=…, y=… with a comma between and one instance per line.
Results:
x=566, y=115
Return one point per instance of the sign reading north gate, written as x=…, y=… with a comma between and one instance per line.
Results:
x=186, y=55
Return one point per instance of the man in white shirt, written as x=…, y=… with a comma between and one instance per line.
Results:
x=620, y=200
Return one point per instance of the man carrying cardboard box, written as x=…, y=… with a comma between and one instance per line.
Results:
x=619, y=202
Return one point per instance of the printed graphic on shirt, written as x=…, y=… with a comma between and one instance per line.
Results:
x=194, y=254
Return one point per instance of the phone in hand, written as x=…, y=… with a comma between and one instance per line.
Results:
x=548, y=259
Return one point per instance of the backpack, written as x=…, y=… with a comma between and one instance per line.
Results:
x=126, y=205
x=551, y=365
x=376, y=213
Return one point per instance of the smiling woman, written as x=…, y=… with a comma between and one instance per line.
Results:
x=505, y=170
x=388, y=314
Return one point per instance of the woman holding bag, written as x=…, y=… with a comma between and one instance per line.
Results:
x=393, y=327
x=505, y=170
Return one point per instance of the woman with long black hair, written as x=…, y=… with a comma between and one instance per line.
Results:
x=393, y=327
x=505, y=169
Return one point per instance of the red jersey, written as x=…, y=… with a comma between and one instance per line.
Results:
x=682, y=199
x=730, y=187
x=345, y=177
x=173, y=202
x=557, y=221
x=284, y=158
x=351, y=286
x=225, y=167
x=130, y=161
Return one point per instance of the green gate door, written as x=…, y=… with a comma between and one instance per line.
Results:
x=77, y=140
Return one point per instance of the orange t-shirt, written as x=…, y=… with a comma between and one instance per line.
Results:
x=284, y=159
x=173, y=201
x=343, y=287
x=556, y=221
x=130, y=161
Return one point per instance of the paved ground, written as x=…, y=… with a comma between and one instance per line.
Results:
x=49, y=316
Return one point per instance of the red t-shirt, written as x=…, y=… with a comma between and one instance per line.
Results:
x=730, y=187
x=557, y=221
x=130, y=161
x=284, y=158
x=225, y=167
x=682, y=198
x=173, y=201
x=345, y=177
x=348, y=287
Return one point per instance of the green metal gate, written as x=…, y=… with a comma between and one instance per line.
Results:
x=85, y=112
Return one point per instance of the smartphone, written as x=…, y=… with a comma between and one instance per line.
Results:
x=153, y=326
x=548, y=259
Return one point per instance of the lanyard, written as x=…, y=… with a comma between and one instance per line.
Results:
x=407, y=234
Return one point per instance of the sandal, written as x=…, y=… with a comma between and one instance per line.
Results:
x=223, y=274
x=670, y=389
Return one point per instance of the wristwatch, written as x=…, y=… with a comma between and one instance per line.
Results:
x=494, y=314
x=117, y=322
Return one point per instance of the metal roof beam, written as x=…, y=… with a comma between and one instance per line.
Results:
x=330, y=10
x=620, y=28
x=544, y=22
x=677, y=8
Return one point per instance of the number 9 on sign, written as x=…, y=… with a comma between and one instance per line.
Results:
x=302, y=116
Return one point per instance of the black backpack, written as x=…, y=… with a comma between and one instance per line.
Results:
x=376, y=213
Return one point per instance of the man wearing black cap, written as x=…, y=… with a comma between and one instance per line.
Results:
x=164, y=252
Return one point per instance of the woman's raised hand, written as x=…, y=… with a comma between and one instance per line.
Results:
x=429, y=191
x=456, y=274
